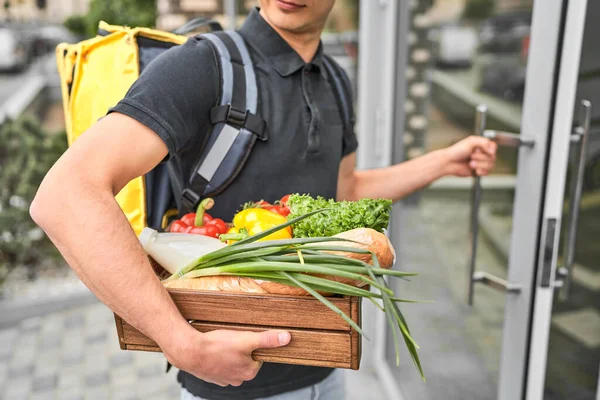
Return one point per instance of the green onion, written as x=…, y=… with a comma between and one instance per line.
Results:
x=294, y=262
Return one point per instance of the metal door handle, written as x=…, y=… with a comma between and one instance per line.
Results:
x=503, y=139
x=509, y=139
x=580, y=135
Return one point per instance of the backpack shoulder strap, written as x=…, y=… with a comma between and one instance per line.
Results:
x=342, y=91
x=236, y=125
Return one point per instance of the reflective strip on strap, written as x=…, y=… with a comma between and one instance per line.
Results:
x=251, y=88
x=226, y=68
x=227, y=135
x=218, y=151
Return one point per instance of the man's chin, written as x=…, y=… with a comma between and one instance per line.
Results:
x=289, y=23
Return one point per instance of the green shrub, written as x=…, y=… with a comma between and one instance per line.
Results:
x=26, y=155
x=478, y=9
x=132, y=13
x=77, y=24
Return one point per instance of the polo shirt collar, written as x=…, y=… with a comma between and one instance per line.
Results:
x=261, y=36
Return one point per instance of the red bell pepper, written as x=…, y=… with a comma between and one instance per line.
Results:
x=200, y=223
x=205, y=230
x=219, y=223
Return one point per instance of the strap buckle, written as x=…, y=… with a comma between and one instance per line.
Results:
x=239, y=119
x=235, y=117
x=189, y=199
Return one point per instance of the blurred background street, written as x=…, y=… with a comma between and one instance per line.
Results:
x=58, y=342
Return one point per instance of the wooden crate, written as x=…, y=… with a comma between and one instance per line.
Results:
x=319, y=336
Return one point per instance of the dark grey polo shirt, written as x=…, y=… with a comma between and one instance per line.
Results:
x=173, y=97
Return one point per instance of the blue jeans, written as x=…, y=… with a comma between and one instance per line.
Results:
x=331, y=388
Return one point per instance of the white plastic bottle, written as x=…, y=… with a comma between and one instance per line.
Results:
x=176, y=250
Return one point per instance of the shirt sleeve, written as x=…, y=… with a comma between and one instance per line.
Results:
x=349, y=140
x=174, y=94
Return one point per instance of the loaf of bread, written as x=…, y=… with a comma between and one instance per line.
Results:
x=365, y=238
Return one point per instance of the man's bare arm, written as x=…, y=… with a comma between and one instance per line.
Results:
x=75, y=206
x=471, y=155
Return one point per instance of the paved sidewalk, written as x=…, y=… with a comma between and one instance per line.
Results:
x=74, y=354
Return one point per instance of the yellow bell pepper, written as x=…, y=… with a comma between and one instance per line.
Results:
x=257, y=220
x=260, y=226
x=248, y=217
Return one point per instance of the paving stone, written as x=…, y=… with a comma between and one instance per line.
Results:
x=20, y=371
x=124, y=376
x=74, y=321
x=17, y=389
x=22, y=356
x=95, y=338
x=98, y=315
x=144, y=358
x=123, y=393
x=7, y=340
x=26, y=342
x=52, y=324
x=47, y=363
x=160, y=395
x=120, y=359
x=95, y=363
x=95, y=351
x=97, y=393
x=174, y=391
x=30, y=324
x=72, y=358
x=3, y=374
x=71, y=393
x=69, y=380
x=150, y=371
x=49, y=342
x=44, y=383
x=101, y=378
x=148, y=387
x=47, y=395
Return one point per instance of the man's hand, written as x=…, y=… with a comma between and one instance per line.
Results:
x=224, y=357
x=473, y=154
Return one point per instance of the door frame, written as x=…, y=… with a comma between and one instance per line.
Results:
x=537, y=122
x=553, y=200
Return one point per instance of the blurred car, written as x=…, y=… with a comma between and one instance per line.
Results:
x=16, y=48
x=504, y=78
x=46, y=37
x=505, y=32
x=454, y=46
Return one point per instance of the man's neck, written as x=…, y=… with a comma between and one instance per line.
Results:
x=305, y=44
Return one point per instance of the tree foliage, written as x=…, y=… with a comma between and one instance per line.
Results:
x=479, y=9
x=132, y=13
x=26, y=155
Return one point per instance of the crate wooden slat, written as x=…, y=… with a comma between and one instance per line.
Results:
x=319, y=336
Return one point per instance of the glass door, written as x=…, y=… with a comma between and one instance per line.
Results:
x=498, y=73
x=565, y=340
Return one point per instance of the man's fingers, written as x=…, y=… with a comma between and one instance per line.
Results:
x=479, y=156
x=486, y=164
x=269, y=339
x=489, y=147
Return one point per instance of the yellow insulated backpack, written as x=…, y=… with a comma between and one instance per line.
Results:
x=95, y=75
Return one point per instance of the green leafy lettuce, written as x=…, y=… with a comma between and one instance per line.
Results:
x=342, y=216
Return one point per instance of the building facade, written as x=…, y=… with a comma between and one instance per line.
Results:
x=55, y=11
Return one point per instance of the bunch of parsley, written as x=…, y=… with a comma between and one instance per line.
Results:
x=341, y=215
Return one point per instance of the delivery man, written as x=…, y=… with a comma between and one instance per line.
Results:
x=162, y=116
